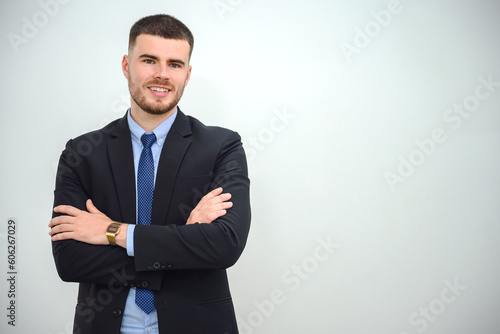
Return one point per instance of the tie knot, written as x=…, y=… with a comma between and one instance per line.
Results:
x=148, y=140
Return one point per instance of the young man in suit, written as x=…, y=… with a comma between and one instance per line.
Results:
x=141, y=221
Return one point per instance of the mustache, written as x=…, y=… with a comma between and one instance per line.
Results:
x=159, y=83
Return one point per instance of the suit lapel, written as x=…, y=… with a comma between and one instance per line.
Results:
x=174, y=148
x=122, y=166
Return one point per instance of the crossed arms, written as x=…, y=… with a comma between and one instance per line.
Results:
x=90, y=226
x=213, y=236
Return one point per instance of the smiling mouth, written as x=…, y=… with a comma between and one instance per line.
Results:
x=159, y=91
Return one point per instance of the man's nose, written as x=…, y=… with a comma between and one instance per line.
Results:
x=162, y=72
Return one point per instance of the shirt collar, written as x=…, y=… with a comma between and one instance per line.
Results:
x=160, y=131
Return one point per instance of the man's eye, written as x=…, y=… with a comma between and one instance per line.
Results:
x=149, y=61
x=175, y=65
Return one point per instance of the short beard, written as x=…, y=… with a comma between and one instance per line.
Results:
x=152, y=109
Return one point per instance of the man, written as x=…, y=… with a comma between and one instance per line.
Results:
x=131, y=224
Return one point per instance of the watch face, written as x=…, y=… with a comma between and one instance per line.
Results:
x=112, y=228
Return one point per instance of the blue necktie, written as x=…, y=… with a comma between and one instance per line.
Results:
x=145, y=185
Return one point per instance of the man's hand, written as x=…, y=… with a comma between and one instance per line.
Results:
x=212, y=206
x=89, y=227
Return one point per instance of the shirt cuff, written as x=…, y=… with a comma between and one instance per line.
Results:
x=130, y=239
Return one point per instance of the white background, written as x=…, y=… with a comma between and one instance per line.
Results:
x=333, y=99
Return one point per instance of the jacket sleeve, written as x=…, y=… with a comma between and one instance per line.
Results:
x=80, y=262
x=203, y=246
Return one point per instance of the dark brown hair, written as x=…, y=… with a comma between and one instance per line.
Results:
x=162, y=25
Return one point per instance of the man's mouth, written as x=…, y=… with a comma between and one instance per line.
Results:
x=159, y=91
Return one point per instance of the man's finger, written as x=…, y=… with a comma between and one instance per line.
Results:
x=67, y=209
x=61, y=229
x=214, y=215
x=221, y=198
x=221, y=206
x=213, y=193
x=60, y=220
x=91, y=207
x=227, y=205
x=62, y=236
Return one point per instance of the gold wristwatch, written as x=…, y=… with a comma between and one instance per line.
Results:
x=112, y=232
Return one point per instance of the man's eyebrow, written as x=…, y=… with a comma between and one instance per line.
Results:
x=177, y=61
x=145, y=55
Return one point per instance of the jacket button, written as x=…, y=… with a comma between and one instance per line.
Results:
x=156, y=265
x=117, y=313
x=144, y=284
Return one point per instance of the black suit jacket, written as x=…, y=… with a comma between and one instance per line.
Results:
x=184, y=265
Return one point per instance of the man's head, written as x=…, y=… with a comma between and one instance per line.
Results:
x=157, y=65
x=162, y=25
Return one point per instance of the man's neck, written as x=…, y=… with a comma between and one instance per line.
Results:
x=148, y=121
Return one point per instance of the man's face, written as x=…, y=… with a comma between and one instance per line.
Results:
x=157, y=70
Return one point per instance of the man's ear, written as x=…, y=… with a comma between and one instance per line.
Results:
x=125, y=66
x=188, y=75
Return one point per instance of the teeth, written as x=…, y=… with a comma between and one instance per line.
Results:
x=158, y=89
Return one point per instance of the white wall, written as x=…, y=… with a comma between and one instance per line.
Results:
x=352, y=138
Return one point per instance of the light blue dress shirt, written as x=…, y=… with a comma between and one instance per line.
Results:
x=135, y=320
